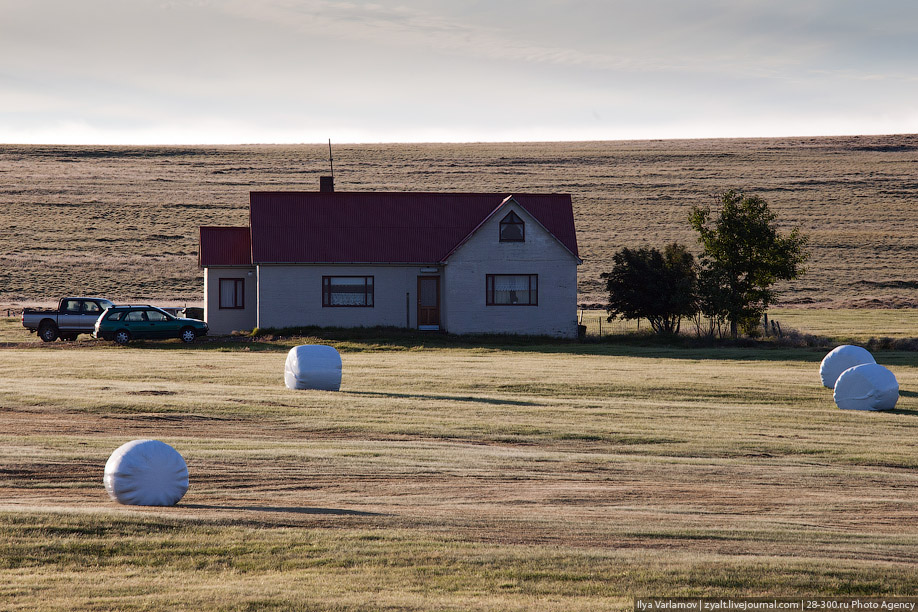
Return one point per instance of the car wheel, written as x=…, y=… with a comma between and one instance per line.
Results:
x=122, y=336
x=188, y=334
x=48, y=332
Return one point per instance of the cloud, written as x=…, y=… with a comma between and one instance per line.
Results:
x=773, y=39
x=417, y=29
x=477, y=69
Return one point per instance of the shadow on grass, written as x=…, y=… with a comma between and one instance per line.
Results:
x=383, y=339
x=628, y=345
x=284, y=509
x=906, y=410
x=903, y=411
x=455, y=398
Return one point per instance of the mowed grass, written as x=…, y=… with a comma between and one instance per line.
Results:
x=549, y=477
x=851, y=324
x=843, y=325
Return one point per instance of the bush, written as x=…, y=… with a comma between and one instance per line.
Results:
x=647, y=284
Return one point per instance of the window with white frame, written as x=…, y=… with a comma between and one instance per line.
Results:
x=232, y=293
x=512, y=290
x=347, y=291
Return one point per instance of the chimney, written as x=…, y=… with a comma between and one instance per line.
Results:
x=326, y=184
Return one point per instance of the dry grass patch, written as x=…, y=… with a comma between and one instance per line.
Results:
x=839, y=325
x=162, y=563
x=455, y=478
x=122, y=221
x=850, y=324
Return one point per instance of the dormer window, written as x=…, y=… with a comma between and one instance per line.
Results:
x=512, y=228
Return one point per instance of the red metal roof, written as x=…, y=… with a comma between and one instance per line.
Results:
x=381, y=227
x=225, y=246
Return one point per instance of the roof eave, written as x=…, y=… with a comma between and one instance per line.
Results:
x=347, y=263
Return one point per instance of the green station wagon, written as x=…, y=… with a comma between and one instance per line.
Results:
x=125, y=323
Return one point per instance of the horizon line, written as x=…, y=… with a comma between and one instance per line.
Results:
x=443, y=142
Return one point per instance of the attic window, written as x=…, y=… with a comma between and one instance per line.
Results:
x=512, y=228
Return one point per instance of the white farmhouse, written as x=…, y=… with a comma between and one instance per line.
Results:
x=458, y=262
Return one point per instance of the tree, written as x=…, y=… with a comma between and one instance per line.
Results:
x=647, y=284
x=712, y=302
x=744, y=256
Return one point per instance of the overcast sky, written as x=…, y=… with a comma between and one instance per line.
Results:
x=261, y=71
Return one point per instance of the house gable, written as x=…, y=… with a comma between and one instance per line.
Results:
x=543, y=264
x=510, y=206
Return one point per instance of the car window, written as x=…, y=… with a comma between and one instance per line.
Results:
x=155, y=315
x=72, y=306
x=135, y=315
x=115, y=316
x=91, y=308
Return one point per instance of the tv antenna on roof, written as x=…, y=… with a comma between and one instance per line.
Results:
x=327, y=183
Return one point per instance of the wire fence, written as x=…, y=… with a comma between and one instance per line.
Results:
x=597, y=325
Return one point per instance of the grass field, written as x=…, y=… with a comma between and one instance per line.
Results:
x=842, y=325
x=449, y=475
x=123, y=221
x=525, y=477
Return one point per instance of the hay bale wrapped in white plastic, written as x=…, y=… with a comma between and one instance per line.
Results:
x=869, y=386
x=840, y=359
x=146, y=473
x=313, y=366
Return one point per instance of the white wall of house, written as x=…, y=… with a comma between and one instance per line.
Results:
x=542, y=254
x=291, y=296
x=226, y=320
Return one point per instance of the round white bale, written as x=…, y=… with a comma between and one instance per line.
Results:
x=840, y=359
x=146, y=473
x=869, y=386
x=313, y=366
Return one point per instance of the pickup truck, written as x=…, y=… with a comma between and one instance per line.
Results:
x=74, y=315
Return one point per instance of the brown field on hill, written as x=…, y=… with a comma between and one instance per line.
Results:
x=123, y=221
